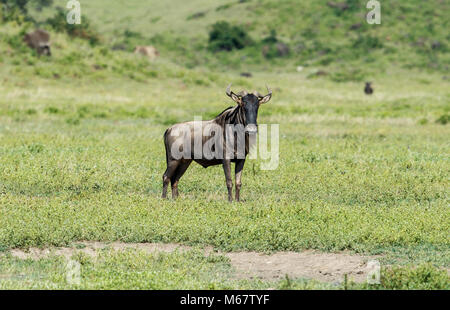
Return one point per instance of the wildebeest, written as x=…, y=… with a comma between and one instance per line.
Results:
x=338, y=5
x=368, y=89
x=246, y=74
x=149, y=51
x=39, y=40
x=225, y=139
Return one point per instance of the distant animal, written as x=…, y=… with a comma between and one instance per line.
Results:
x=39, y=40
x=281, y=50
x=368, y=89
x=321, y=73
x=246, y=74
x=227, y=137
x=150, y=51
x=356, y=26
x=338, y=5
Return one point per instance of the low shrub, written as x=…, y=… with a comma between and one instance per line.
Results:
x=423, y=277
x=84, y=30
x=443, y=119
x=273, y=47
x=225, y=37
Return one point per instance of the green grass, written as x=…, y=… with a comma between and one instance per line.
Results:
x=368, y=182
x=129, y=269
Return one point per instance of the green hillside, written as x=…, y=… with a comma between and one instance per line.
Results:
x=413, y=34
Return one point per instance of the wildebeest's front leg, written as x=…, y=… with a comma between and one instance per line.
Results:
x=238, y=172
x=227, y=170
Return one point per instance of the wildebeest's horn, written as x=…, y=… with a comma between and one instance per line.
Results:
x=229, y=90
x=242, y=93
x=257, y=94
x=269, y=90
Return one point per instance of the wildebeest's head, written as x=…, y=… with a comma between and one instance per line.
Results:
x=250, y=103
x=44, y=49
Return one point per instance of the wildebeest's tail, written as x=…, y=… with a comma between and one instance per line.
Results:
x=166, y=145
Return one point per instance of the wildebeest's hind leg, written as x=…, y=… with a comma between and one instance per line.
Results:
x=181, y=169
x=238, y=173
x=170, y=171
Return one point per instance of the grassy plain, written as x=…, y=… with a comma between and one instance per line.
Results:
x=85, y=162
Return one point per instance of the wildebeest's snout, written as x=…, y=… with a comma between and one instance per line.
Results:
x=47, y=51
x=251, y=128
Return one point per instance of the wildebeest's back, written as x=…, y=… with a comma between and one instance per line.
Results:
x=187, y=131
x=37, y=38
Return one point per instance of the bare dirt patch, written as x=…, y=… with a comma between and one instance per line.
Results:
x=324, y=267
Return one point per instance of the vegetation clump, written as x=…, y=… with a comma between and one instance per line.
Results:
x=422, y=277
x=84, y=30
x=443, y=119
x=273, y=47
x=18, y=10
x=225, y=37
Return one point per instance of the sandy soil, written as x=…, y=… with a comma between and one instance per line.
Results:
x=324, y=267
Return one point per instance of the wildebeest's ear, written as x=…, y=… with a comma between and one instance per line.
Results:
x=236, y=98
x=266, y=98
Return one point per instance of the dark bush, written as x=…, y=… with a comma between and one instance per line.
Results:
x=18, y=9
x=271, y=38
x=224, y=37
x=7, y=14
x=443, y=119
x=83, y=30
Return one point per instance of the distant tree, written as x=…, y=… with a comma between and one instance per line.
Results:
x=22, y=4
x=13, y=8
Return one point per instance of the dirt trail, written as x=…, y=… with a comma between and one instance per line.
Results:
x=324, y=267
